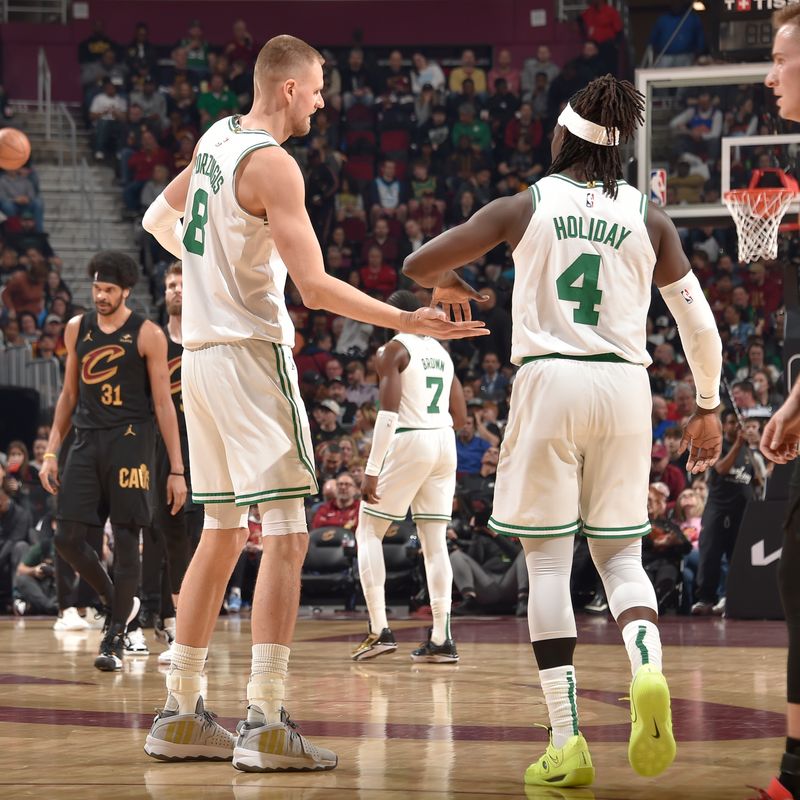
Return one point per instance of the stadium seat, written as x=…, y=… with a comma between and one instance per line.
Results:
x=328, y=568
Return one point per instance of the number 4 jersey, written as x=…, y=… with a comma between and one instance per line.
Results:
x=583, y=272
x=233, y=277
x=426, y=382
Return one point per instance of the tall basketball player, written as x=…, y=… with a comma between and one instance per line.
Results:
x=244, y=225
x=781, y=436
x=576, y=455
x=412, y=463
x=115, y=361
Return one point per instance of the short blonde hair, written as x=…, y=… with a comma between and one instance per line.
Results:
x=281, y=55
x=790, y=15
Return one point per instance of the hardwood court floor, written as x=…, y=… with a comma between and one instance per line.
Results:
x=401, y=730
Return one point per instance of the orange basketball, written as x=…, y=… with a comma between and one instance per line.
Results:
x=15, y=148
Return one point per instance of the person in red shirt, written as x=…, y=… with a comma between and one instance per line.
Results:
x=664, y=472
x=382, y=238
x=378, y=278
x=241, y=47
x=342, y=510
x=603, y=24
x=24, y=290
x=141, y=165
x=766, y=292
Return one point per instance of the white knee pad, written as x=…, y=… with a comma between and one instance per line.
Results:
x=549, y=562
x=281, y=517
x=619, y=562
x=224, y=516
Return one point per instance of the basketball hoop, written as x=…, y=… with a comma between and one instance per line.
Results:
x=758, y=211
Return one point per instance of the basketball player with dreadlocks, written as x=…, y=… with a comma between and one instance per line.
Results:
x=781, y=436
x=576, y=455
x=116, y=360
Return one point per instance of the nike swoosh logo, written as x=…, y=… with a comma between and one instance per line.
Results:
x=657, y=734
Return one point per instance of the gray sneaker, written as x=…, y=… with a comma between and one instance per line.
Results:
x=278, y=747
x=189, y=737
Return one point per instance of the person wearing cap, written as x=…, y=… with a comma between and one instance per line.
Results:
x=107, y=112
x=327, y=414
x=662, y=471
x=337, y=392
x=576, y=451
x=116, y=376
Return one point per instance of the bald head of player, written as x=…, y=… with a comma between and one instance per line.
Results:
x=597, y=119
x=784, y=76
x=287, y=80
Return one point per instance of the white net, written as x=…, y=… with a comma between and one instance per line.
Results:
x=758, y=214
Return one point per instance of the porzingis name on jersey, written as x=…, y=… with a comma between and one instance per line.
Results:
x=433, y=363
x=598, y=230
x=206, y=164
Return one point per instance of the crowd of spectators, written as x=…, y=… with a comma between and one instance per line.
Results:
x=407, y=147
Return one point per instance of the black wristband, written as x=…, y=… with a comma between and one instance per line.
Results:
x=180, y=474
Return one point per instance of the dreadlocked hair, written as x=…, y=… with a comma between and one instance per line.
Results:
x=613, y=104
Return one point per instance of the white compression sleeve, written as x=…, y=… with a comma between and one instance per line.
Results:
x=699, y=336
x=163, y=221
x=382, y=435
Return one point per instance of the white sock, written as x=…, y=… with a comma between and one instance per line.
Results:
x=184, y=677
x=267, y=687
x=440, y=607
x=376, y=605
x=643, y=643
x=559, y=687
x=439, y=574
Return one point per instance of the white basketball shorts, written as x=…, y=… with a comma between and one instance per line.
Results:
x=249, y=440
x=420, y=472
x=576, y=452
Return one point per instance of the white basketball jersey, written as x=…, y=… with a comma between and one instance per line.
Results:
x=583, y=271
x=233, y=276
x=426, y=383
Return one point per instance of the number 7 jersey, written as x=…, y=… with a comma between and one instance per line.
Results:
x=233, y=276
x=583, y=272
x=426, y=383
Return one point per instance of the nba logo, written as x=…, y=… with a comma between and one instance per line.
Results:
x=686, y=295
x=590, y=200
x=658, y=186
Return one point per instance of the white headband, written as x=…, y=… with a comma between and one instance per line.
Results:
x=587, y=130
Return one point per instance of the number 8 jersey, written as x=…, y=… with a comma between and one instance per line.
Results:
x=426, y=382
x=583, y=272
x=233, y=276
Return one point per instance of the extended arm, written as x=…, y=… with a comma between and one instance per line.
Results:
x=458, y=405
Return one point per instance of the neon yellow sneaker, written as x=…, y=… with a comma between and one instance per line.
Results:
x=652, y=746
x=570, y=765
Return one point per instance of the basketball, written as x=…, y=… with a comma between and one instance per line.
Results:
x=15, y=148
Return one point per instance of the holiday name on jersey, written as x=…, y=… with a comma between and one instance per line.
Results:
x=206, y=164
x=599, y=231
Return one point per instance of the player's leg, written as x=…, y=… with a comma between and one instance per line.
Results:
x=431, y=509
x=267, y=740
x=78, y=500
x=787, y=784
x=616, y=472
x=372, y=573
x=537, y=499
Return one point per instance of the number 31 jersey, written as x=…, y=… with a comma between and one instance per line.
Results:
x=233, y=276
x=583, y=272
x=426, y=383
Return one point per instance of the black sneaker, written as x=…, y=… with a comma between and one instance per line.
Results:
x=375, y=645
x=598, y=604
x=109, y=659
x=431, y=653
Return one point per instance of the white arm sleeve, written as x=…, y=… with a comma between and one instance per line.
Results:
x=699, y=336
x=163, y=221
x=382, y=435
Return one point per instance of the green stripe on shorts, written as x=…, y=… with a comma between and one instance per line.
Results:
x=286, y=390
x=440, y=517
x=625, y=532
x=534, y=532
x=382, y=514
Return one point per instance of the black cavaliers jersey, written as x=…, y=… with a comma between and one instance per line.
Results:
x=174, y=356
x=114, y=388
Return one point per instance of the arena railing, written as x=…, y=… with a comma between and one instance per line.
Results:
x=87, y=206
x=41, y=11
x=44, y=92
